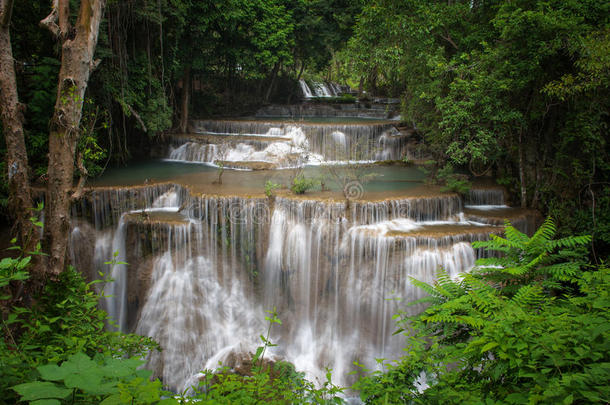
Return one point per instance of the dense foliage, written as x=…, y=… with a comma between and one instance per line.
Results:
x=528, y=327
x=514, y=88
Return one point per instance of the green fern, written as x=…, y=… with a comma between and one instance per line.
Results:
x=529, y=296
x=524, y=259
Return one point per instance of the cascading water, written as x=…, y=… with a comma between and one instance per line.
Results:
x=289, y=145
x=320, y=89
x=485, y=197
x=203, y=269
x=305, y=89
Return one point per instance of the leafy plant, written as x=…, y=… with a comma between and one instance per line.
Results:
x=301, y=184
x=457, y=183
x=524, y=260
x=270, y=187
x=63, y=320
x=104, y=379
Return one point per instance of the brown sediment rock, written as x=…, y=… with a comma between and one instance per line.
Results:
x=233, y=139
x=524, y=219
x=247, y=165
x=156, y=217
x=432, y=231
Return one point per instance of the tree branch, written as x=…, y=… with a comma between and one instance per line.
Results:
x=7, y=12
x=448, y=39
x=89, y=18
x=137, y=117
x=64, y=16
x=50, y=21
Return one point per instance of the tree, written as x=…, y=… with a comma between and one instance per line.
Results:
x=516, y=88
x=78, y=44
x=12, y=120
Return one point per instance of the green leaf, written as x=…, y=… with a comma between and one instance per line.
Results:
x=41, y=390
x=46, y=402
x=488, y=347
x=114, y=399
x=257, y=355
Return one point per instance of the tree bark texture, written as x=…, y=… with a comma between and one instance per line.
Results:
x=20, y=201
x=186, y=95
x=522, y=172
x=77, y=49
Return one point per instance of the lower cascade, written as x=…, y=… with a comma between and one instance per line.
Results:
x=203, y=269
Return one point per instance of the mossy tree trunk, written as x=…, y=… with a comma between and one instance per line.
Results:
x=78, y=43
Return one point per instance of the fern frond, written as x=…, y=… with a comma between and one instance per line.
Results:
x=534, y=263
x=494, y=262
x=425, y=300
x=514, y=235
x=563, y=271
x=497, y=243
x=570, y=242
x=474, y=322
x=542, y=236
x=446, y=283
x=429, y=289
x=528, y=296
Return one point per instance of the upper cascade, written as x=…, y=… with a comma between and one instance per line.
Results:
x=487, y=196
x=289, y=144
x=321, y=89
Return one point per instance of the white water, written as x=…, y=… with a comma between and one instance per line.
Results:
x=292, y=152
x=199, y=281
x=320, y=89
x=297, y=144
x=336, y=275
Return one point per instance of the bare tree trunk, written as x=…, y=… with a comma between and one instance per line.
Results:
x=522, y=171
x=291, y=94
x=273, y=78
x=20, y=201
x=186, y=93
x=77, y=48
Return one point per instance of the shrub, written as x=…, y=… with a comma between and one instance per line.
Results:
x=270, y=187
x=300, y=184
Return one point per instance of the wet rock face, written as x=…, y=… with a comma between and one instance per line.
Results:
x=82, y=249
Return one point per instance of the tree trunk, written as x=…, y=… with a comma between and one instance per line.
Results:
x=20, y=201
x=186, y=93
x=77, y=50
x=273, y=78
x=522, y=172
x=291, y=94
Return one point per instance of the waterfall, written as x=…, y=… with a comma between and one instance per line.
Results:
x=202, y=270
x=486, y=196
x=289, y=145
x=194, y=152
x=320, y=89
x=305, y=89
